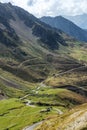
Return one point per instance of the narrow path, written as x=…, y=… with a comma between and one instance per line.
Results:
x=70, y=70
x=29, y=103
x=25, y=96
x=21, y=64
x=36, y=65
x=32, y=127
x=58, y=111
x=9, y=82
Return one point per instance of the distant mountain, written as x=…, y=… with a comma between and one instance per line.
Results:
x=85, y=30
x=79, y=20
x=67, y=26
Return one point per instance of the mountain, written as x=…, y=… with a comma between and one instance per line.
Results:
x=79, y=20
x=43, y=71
x=67, y=26
x=23, y=37
x=11, y=15
x=33, y=51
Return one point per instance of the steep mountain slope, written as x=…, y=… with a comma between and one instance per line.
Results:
x=67, y=26
x=79, y=20
x=23, y=39
x=15, y=15
x=28, y=46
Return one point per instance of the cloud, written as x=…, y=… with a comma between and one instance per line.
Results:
x=52, y=7
x=31, y=2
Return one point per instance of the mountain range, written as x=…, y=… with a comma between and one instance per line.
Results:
x=23, y=36
x=67, y=26
x=79, y=20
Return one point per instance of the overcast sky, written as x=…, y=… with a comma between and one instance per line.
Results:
x=52, y=7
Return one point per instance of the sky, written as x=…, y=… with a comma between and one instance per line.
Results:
x=41, y=8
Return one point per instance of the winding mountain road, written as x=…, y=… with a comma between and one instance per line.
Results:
x=68, y=71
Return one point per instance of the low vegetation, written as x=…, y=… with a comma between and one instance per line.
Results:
x=75, y=119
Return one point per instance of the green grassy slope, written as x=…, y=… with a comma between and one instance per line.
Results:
x=15, y=115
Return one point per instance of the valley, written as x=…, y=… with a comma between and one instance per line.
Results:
x=43, y=74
